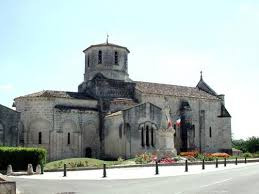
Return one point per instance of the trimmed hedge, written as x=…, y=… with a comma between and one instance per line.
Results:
x=20, y=157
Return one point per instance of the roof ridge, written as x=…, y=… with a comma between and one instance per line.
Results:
x=174, y=90
x=165, y=84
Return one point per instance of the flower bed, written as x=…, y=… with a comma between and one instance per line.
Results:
x=189, y=154
x=219, y=155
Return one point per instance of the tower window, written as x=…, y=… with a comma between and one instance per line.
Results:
x=40, y=138
x=88, y=61
x=100, y=57
x=68, y=138
x=126, y=61
x=116, y=57
x=210, y=133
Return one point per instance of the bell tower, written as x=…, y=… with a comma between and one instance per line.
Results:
x=106, y=72
x=109, y=59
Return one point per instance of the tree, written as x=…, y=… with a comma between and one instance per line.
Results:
x=250, y=145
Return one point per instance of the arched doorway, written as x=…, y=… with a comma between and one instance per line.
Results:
x=88, y=152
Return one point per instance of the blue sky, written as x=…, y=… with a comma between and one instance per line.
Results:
x=41, y=45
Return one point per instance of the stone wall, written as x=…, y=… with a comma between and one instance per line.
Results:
x=65, y=127
x=220, y=127
x=9, y=122
x=124, y=128
x=108, y=67
x=7, y=186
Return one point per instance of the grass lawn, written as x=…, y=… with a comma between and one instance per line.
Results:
x=84, y=162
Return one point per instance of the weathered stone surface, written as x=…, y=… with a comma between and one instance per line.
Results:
x=30, y=169
x=9, y=170
x=7, y=186
x=9, y=123
x=38, y=169
x=111, y=116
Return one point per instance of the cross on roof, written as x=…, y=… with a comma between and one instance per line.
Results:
x=107, y=38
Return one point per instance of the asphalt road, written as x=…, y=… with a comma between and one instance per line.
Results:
x=244, y=180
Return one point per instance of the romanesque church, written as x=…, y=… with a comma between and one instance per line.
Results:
x=113, y=116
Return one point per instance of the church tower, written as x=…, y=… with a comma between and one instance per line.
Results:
x=110, y=60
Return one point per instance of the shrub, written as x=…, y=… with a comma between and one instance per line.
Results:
x=20, y=157
x=247, y=154
x=143, y=158
x=120, y=160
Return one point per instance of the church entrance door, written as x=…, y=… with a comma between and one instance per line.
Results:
x=88, y=152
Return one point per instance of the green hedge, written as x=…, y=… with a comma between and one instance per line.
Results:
x=20, y=157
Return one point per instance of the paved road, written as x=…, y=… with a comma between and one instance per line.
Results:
x=243, y=180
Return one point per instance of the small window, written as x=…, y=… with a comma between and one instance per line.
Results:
x=152, y=137
x=193, y=128
x=142, y=137
x=126, y=60
x=100, y=57
x=210, y=133
x=175, y=130
x=68, y=138
x=88, y=61
x=116, y=57
x=40, y=138
x=147, y=136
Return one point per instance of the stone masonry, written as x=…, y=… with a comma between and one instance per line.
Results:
x=112, y=116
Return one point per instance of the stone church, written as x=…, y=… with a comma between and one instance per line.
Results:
x=113, y=116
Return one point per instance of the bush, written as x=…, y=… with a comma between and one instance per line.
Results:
x=206, y=157
x=120, y=160
x=143, y=158
x=20, y=157
x=247, y=154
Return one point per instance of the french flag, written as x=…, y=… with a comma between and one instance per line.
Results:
x=178, y=122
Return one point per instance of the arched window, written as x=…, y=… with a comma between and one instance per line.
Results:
x=152, y=137
x=68, y=138
x=147, y=136
x=116, y=57
x=142, y=137
x=40, y=138
x=210, y=133
x=100, y=57
x=193, y=128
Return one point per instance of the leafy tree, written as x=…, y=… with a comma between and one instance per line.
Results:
x=250, y=145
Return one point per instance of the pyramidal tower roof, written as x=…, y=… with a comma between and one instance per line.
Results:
x=202, y=85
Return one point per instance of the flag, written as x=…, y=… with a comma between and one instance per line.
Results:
x=169, y=123
x=178, y=122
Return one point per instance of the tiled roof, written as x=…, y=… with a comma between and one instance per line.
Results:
x=106, y=44
x=202, y=85
x=57, y=94
x=173, y=90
